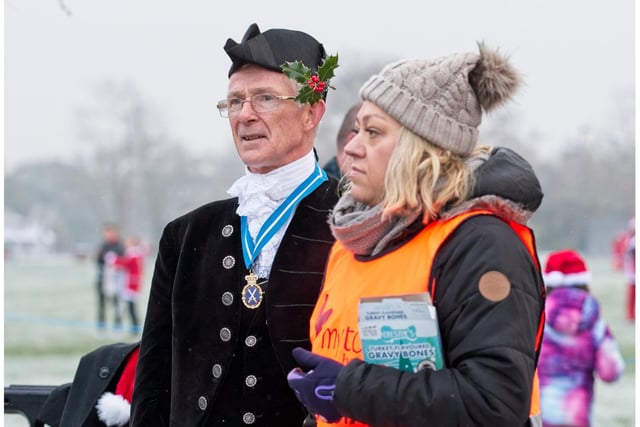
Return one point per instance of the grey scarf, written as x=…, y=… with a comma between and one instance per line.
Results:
x=360, y=228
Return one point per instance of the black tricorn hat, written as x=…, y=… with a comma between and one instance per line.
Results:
x=273, y=48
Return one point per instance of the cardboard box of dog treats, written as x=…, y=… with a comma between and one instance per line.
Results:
x=400, y=331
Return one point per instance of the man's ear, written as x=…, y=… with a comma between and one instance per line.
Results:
x=315, y=113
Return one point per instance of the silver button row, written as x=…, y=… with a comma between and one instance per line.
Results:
x=250, y=341
x=247, y=417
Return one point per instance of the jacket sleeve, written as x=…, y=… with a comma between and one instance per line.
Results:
x=489, y=345
x=152, y=390
x=609, y=362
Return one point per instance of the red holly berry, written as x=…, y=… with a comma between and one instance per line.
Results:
x=316, y=84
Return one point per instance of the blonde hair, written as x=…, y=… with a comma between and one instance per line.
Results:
x=423, y=177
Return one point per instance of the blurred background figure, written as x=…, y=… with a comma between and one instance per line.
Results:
x=577, y=344
x=338, y=165
x=131, y=264
x=629, y=270
x=108, y=281
x=619, y=245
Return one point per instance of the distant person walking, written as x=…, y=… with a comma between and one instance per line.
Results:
x=623, y=259
x=619, y=245
x=629, y=270
x=131, y=264
x=577, y=344
x=108, y=279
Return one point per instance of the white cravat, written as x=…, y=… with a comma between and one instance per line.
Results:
x=261, y=194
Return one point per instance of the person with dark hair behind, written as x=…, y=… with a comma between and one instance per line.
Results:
x=338, y=164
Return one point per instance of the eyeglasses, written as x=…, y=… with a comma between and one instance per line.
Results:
x=262, y=103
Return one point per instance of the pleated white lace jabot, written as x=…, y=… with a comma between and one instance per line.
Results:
x=259, y=195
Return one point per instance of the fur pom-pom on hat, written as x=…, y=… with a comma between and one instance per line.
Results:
x=442, y=100
x=113, y=409
x=493, y=79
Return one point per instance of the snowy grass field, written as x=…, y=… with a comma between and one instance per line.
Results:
x=50, y=311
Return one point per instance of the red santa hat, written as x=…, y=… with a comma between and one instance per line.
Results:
x=114, y=409
x=565, y=268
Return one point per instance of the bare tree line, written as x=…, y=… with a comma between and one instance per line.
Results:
x=140, y=177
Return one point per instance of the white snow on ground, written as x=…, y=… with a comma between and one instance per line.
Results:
x=50, y=313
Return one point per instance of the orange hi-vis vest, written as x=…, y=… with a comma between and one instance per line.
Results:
x=405, y=270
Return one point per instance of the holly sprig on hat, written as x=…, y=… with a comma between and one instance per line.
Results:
x=313, y=84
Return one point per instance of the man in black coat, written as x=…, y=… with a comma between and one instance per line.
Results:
x=236, y=280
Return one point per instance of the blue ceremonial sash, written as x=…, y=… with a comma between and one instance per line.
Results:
x=278, y=218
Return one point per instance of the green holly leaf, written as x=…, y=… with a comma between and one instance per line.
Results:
x=325, y=71
x=308, y=95
x=297, y=71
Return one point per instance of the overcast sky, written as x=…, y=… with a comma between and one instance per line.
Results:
x=577, y=57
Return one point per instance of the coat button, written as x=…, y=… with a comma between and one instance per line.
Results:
x=225, y=334
x=248, y=418
x=216, y=370
x=227, y=298
x=202, y=403
x=227, y=230
x=251, y=380
x=250, y=341
x=104, y=372
x=228, y=262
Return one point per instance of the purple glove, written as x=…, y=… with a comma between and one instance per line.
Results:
x=315, y=387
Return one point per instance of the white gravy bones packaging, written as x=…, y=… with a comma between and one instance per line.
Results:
x=400, y=331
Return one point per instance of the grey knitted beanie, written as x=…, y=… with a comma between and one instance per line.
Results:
x=442, y=99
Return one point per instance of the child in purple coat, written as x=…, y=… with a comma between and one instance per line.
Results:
x=577, y=344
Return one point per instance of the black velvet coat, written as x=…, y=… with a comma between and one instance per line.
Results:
x=193, y=327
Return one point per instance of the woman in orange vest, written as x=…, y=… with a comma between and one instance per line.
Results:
x=416, y=219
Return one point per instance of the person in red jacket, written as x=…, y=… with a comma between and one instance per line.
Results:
x=132, y=263
x=415, y=219
x=629, y=270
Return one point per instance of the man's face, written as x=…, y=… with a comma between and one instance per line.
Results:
x=268, y=140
